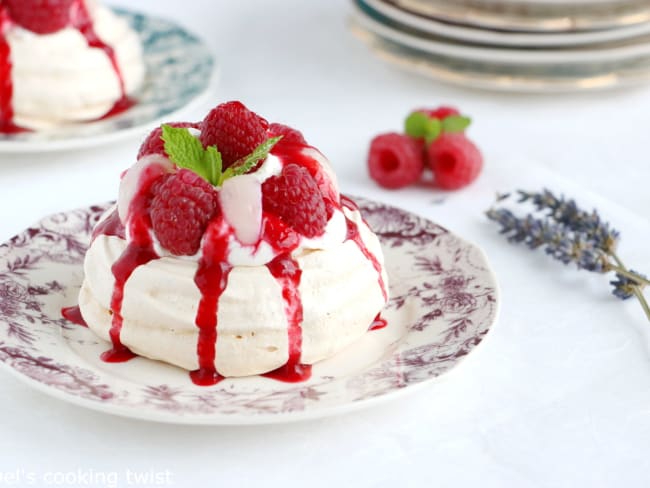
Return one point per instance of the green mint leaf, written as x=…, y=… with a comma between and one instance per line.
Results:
x=432, y=129
x=415, y=124
x=213, y=164
x=244, y=165
x=455, y=123
x=184, y=150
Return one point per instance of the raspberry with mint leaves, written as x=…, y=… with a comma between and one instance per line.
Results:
x=289, y=134
x=395, y=160
x=439, y=113
x=154, y=143
x=454, y=160
x=182, y=206
x=294, y=197
x=235, y=130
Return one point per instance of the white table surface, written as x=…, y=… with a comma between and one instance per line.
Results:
x=559, y=396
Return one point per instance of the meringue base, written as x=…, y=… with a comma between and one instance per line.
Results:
x=339, y=288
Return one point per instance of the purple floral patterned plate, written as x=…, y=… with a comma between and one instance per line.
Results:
x=443, y=302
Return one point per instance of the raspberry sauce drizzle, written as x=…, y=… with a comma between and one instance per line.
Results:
x=353, y=235
x=287, y=272
x=110, y=226
x=7, y=125
x=82, y=21
x=73, y=314
x=139, y=251
x=299, y=154
x=211, y=278
x=122, y=105
x=378, y=323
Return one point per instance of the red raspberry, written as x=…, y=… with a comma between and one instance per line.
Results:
x=455, y=160
x=182, y=206
x=154, y=144
x=295, y=198
x=280, y=235
x=235, y=130
x=440, y=112
x=40, y=16
x=290, y=135
x=395, y=160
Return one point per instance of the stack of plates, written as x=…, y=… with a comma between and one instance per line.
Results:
x=519, y=45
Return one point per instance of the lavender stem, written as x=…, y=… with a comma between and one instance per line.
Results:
x=628, y=274
x=644, y=304
x=638, y=293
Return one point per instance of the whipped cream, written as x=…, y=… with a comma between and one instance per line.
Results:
x=241, y=252
x=58, y=78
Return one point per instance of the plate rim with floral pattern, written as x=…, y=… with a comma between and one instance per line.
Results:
x=444, y=300
x=166, y=45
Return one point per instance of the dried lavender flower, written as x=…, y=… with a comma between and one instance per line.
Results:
x=570, y=235
x=625, y=286
x=558, y=241
x=568, y=213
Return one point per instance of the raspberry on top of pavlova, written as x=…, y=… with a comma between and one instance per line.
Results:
x=230, y=252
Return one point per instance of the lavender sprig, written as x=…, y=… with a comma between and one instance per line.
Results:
x=570, y=235
x=568, y=213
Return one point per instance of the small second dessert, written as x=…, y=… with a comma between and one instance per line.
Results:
x=230, y=252
x=64, y=61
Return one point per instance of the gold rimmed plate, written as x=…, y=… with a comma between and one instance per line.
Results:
x=534, y=16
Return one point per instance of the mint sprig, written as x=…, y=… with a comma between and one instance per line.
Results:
x=455, y=123
x=212, y=159
x=186, y=151
x=244, y=165
x=420, y=126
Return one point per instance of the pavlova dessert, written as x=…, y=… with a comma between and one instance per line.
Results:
x=64, y=61
x=230, y=252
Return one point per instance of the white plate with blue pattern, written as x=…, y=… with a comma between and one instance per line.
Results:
x=181, y=72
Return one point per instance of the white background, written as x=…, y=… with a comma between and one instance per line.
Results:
x=559, y=396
